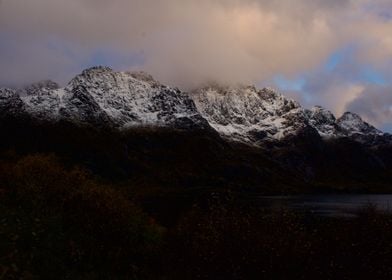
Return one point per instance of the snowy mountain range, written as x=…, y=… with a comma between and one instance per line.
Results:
x=252, y=115
x=101, y=96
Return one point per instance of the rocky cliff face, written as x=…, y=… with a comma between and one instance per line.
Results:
x=103, y=97
x=251, y=115
x=247, y=114
x=100, y=96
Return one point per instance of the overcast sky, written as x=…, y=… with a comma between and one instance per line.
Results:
x=334, y=53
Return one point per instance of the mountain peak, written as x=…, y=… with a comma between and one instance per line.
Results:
x=321, y=115
x=38, y=88
x=352, y=123
x=97, y=69
x=350, y=116
x=143, y=76
x=243, y=113
x=10, y=103
x=101, y=96
x=323, y=120
x=246, y=113
x=7, y=92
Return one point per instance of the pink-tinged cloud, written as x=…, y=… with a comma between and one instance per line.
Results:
x=186, y=42
x=374, y=104
x=189, y=41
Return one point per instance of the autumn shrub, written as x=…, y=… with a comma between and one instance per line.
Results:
x=57, y=221
x=69, y=224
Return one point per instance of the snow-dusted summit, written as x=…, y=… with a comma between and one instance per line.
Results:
x=352, y=124
x=248, y=114
x=100, y=96
x=323, y=121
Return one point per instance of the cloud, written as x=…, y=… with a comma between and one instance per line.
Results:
x=185, y=42
x=374, y=104
x=25, y=62
x=190, y=41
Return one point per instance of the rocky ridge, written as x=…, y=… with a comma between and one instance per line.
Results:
x=101, y=96
x=248, y=114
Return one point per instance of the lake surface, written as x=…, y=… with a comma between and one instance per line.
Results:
x=328, y=205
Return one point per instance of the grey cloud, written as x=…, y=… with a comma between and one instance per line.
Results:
x=25, y=61
x=332, y=88
x=374, y=105
x=186, y=42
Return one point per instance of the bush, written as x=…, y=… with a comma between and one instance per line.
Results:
x=60, y=222
x=68, y=224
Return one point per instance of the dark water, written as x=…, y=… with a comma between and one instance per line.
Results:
x=328, y=205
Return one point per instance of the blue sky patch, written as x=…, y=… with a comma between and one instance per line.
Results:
x=289, y=84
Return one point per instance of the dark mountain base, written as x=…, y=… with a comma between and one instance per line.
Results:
x=152, y=157
x=185, y=160
x=337, y=165
x=77, y=202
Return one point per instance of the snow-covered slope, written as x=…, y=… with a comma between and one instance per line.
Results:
x=352, y=124
x=10, y=103
x=247, y=114
x=100, y=95
x=324, y=121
